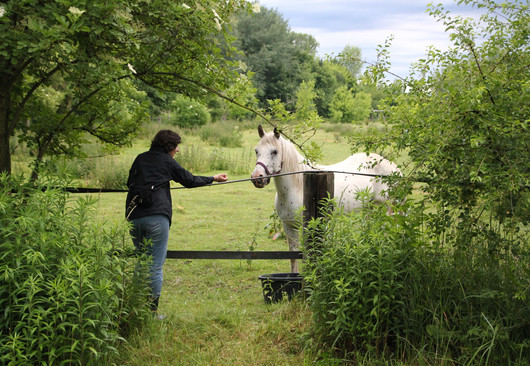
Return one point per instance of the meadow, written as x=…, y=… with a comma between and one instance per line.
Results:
x=215, y=311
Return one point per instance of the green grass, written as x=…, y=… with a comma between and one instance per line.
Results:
x=216, y=314
x=215, y=309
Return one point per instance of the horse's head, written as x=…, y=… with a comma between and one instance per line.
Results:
x=268, y=157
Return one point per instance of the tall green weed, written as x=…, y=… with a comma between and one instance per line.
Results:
x=107, y=172
x=198, y=159
x=357, y=276
x=64, y=297
x=380, y=287
x=225, y=134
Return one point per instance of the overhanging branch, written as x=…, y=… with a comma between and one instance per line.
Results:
x=231, y=100
x=214, y=91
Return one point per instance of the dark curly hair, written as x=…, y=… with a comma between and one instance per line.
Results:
x=166, y=139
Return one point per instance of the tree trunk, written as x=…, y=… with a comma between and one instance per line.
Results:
x=5, y=152
x=40, y=156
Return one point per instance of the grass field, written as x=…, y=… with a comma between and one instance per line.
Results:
x=215, y=311
x=216, y=314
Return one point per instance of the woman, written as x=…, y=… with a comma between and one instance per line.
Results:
x=148, y=205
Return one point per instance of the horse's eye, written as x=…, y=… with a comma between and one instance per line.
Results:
x=256, y=151
x=274, y=152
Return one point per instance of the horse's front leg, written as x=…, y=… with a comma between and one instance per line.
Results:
x=291, y=231
x=293, y=245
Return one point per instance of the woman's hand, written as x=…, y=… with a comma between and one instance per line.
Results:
x=220, y=177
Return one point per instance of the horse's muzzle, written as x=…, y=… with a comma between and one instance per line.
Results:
x=260, y=182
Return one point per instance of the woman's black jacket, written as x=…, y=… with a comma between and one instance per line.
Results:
x=155, y=168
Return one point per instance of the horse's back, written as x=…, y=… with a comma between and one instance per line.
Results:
x=362, y=162
x=348, y=185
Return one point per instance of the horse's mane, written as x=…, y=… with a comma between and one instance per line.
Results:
x=292, y=159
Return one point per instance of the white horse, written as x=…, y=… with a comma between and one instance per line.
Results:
x=275, y=155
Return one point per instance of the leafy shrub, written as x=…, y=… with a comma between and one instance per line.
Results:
x=358, y=277
x=189, y=113
x=111, y=175
x=380, y=288
x=64, y=298
x=459, y=120
x=108, y=172
x=349, y=107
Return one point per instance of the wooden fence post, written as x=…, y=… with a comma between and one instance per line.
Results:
x=317, y=186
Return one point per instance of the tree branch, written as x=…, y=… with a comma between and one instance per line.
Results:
x=472, y=49
x=214, y=91
x=12, y=124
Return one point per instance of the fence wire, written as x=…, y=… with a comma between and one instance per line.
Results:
x=108, y=190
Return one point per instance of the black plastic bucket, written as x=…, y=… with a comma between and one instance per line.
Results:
x=278, y=286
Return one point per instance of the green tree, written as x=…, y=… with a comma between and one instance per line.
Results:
x=305, y=100
x=90, y=57
x=463, y=121
x=278, y=57
x=347, y=106
x=242, y=93
x=329, y=75
x=362, y=106
x=342, y=106
x=351, y=59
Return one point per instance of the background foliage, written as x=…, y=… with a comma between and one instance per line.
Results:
x=188, y=113
x=464, y=125
x=77, y=68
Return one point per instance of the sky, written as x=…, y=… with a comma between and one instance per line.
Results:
x=367, y=24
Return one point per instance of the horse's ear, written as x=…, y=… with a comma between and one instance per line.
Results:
x=260, y=131
x=276, y=133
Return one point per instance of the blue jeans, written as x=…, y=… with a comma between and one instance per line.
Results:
x=150, y=235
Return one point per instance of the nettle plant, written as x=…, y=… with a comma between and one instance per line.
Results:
x=358, y=273
x=380, y=288
x=64, y=297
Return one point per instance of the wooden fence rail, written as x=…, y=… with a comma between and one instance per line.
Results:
x=317, y=186
x=228, y=254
